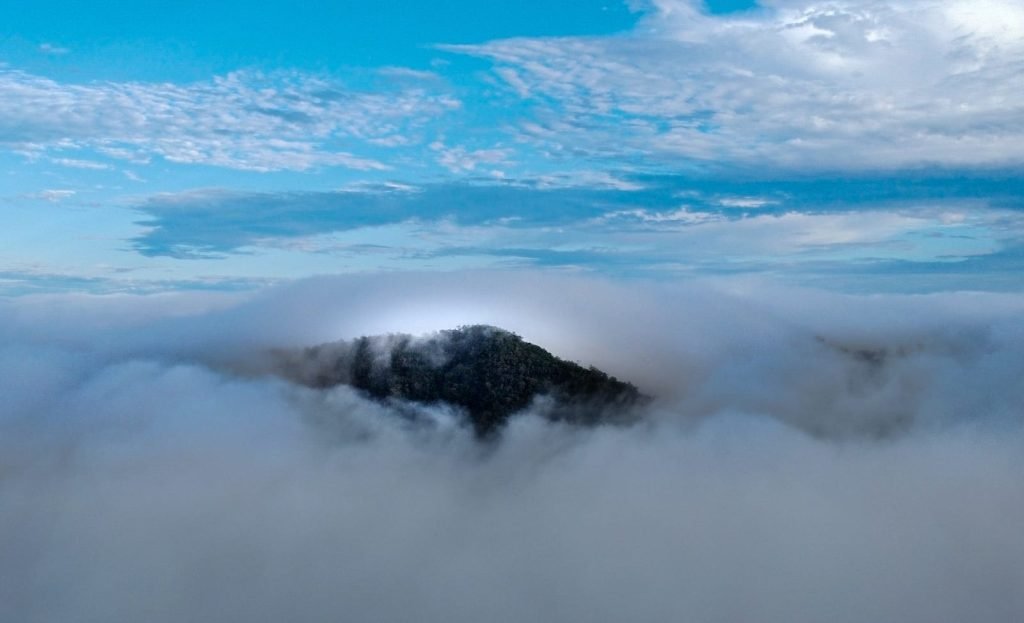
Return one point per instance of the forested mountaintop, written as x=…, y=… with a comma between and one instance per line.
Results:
x=490, y=373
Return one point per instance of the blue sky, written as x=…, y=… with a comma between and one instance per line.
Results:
x=854, y=145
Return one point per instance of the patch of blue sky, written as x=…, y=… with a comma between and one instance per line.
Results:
x=722, y=7
x=185, y=40
x=64, y=234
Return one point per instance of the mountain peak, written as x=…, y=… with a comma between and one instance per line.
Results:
x=488, y=372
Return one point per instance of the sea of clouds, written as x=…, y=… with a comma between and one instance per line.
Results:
x=809, y=456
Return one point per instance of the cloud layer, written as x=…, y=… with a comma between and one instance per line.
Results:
x=244, y=120
x=143, y=478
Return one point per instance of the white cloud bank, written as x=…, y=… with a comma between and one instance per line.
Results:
x=139, y=480
x=861, y=84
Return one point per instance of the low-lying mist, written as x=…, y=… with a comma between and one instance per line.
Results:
x=807, y=457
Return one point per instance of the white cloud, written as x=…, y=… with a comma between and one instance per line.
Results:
x=681, y=217
x=406, y=73
x=749, y=203
x=857, y=84
x=585, y=178
x=78, y=163
x=242, y=120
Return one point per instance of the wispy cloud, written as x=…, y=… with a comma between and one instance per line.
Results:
x=53, y=50
x=54, y=195
x=78, y=163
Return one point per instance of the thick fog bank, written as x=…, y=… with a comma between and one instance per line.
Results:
x=808, y=457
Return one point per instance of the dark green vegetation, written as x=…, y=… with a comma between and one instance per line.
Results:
x=488, y=372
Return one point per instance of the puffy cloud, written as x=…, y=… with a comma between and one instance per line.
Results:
x=142, y=478
x=855, y=84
